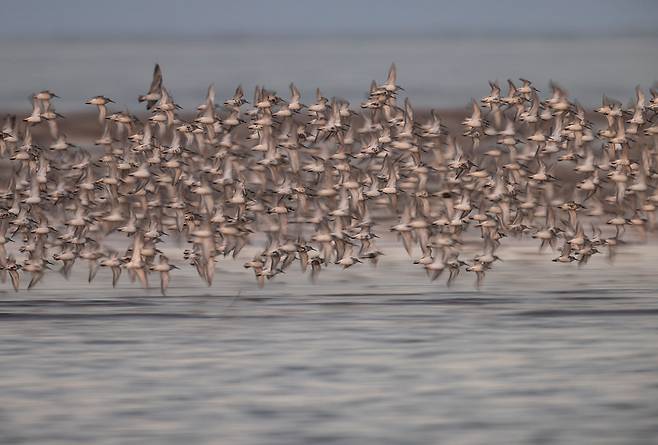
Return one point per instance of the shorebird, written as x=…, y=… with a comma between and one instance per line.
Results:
x=155, y=90
x=317, y=187
x=163, y=267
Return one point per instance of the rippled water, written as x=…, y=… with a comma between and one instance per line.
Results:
x=544, y=353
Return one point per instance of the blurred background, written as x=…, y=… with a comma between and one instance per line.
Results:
x=544, y=354
x=445, y=51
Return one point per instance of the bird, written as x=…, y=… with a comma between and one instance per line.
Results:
x=154, y=93
x=163, y=267
x=321, y=184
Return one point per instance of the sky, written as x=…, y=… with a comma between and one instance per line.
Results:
x=37, y=19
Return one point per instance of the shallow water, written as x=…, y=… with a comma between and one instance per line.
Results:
x=556, y=354
x=436, y=72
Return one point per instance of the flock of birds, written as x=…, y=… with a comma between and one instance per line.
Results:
x=316, y=183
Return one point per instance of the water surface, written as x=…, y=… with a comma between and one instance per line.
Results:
x=437, y=72
x=554, y=354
